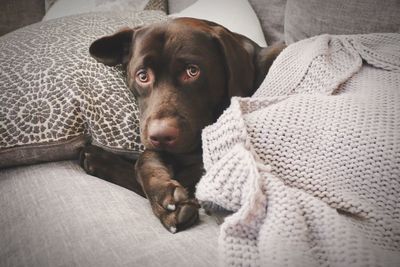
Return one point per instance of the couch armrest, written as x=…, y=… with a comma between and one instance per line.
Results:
x=16, y=14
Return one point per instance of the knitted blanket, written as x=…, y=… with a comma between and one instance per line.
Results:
x=310, y=164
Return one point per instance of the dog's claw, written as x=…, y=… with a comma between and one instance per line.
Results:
x=175, y=209
x=171, y=207
x=172, y=229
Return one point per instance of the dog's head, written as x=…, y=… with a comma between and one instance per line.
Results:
x=183, y=73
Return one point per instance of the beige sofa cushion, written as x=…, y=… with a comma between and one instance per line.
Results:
x=54, y=214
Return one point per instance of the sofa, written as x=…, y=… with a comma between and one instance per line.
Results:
x=304, y=173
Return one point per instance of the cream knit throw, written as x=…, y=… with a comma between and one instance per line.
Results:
x=311, y=163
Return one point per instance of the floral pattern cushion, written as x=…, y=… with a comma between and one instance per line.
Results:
x=54, y=97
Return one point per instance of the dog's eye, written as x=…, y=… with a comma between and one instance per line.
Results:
x=142, y=76
x=192, y=71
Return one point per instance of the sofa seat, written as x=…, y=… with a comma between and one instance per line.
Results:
x=54, y=214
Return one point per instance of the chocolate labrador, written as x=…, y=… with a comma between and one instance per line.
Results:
x=183, y=73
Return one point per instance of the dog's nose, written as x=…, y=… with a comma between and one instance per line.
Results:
x=163, y=133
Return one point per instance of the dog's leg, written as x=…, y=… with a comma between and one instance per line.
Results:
x=169, y=200
x=110, y=167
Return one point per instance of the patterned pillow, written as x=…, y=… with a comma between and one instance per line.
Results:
x=54, y=96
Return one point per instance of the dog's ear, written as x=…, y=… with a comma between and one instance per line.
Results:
x=264, y=59
x=239, y=65
x=246, y=63
x=114, y=49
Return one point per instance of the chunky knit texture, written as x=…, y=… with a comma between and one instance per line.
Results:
x=311, y=163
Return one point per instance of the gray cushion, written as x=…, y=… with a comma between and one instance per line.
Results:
x=54, y=214
x=15, y=14
x=52, y=91
x=271, y=14
x=307, y=18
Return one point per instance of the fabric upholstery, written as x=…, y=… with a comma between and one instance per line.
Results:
x=16, y=14
x=52, y=91
x=62, y=8
x=48, y=3
x=307, y=18
x=271, y=14
x=54, y=214
x=236, y=15
x=161, y=5
x=175, y=6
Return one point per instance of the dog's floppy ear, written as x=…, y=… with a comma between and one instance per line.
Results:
x=264, y=59
x=246, y=63
x=239, y=65
x=114, y=49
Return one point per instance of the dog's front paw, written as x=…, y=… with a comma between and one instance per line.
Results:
x=174, y=208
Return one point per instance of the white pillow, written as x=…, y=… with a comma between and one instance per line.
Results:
x=62, y=8
x=236, y=15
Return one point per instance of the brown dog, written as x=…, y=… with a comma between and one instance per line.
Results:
x=183, y=73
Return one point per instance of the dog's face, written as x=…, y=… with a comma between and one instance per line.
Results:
x=178, y=76
x=183, y=73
